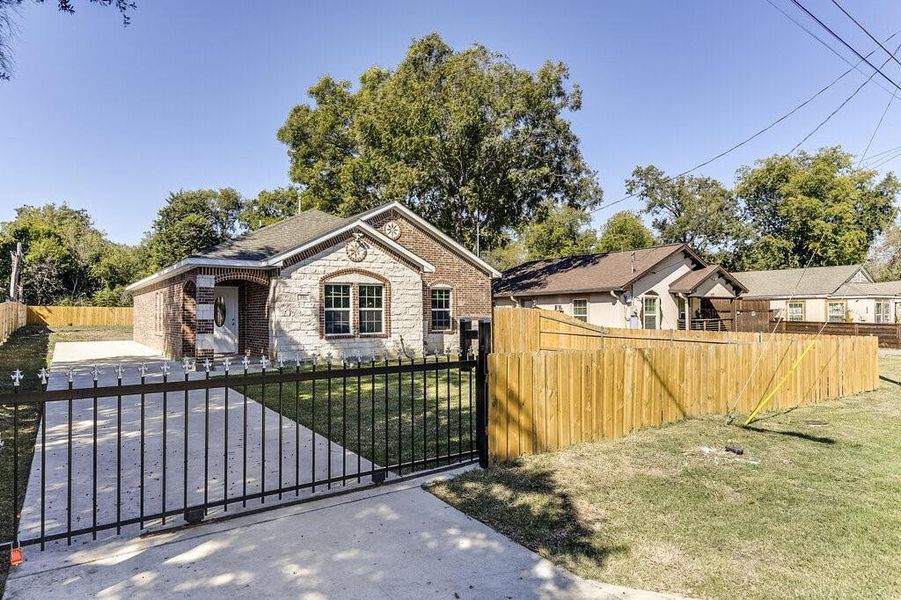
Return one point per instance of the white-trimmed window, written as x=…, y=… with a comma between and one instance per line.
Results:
x=883, y=311
x=337, y=309
x=795, y=310
x=650, y=312
x=372, y=309
x=835, y=312
x=441, y=309
x=580, y=309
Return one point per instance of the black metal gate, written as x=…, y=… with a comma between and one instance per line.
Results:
x=228, y=438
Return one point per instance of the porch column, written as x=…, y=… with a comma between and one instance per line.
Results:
x=205, y=298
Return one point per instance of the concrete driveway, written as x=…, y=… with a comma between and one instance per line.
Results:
x=83, y=355
x=393, y=542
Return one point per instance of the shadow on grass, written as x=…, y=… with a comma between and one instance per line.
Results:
x=530, y=507
x=795, y=434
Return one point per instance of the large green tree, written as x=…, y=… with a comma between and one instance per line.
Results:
x=560, y=230
x=624, y=231
x=190, y=221
x=467, y=139
x=694, y=210
x=270, y=206
x=816, y=209
x=66, y=258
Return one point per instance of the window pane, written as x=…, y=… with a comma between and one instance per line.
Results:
x=337, y=321
x=649, y=314
x=337, y=296
x=836, y=312
x=441, y=298
x=370, y=321
x=795, y=311
x=580, y=309
x=441, y=319
x=370, y=296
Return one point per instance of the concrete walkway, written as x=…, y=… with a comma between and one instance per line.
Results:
x=392, y=542
x=220, y=455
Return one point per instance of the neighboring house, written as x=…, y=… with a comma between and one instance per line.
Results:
x=385, y=279
x=843, y=293
x=651, y=288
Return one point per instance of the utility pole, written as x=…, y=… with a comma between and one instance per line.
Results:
x=15, y=273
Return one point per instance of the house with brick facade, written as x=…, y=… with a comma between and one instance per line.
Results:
x=382, y=280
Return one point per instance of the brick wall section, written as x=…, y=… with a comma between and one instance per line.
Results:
x=253, y=319
x=158, y=315
x=470, y=286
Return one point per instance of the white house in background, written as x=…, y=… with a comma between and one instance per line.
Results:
x=845, y=293
x=651, y=288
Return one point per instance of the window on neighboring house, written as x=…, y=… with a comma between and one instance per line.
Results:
x=441, y=309
x=337, y=308
x=836, y=312
x=682, y=308
x=795, y=311
x=580, y=309
x=897, y=312
x=372, y=312
x=883, y=311
x=650, y=306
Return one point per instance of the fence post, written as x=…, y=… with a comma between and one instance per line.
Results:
x=465, y=338
x=482, y=391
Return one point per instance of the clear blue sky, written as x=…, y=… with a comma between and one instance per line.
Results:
x=191, y=93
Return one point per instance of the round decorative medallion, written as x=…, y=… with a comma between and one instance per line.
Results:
x=355, y=249
x=392, y=230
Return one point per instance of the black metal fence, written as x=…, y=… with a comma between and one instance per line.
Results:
x=139, y=446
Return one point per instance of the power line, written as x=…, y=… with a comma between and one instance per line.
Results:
x=856, y=66
x=864, y=29
x=754, y=135
x=842, y=105
x=846, y=44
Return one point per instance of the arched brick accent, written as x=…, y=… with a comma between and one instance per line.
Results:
x=355, y=303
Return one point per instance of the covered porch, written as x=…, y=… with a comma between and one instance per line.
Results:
x=707, y=299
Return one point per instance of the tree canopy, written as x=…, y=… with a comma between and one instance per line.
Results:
x=698, y=211
x=816, y=209
x=67, y=260
x=190, y=221
x=270, y=206
x=624, y=231
x=465, y=138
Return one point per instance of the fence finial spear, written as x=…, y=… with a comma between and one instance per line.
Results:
x=143, y=370
x=44, y=375
x=226, y=363
x=119, y=371
x=297, y=359
x=207, y=364
x=165, y=368
x=281, y=362
x=264, y=361
x=16, y=377
x=245, y=360
x=70, y=374
x=95, y=372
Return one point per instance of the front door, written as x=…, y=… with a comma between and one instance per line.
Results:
x=225, y=320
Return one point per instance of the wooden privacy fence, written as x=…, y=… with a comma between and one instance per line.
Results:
x=96, y=316
x=12, y=316
x=889, y=334
x=551, y=398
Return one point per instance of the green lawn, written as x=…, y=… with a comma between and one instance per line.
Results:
x=811, y=510
x=432, y=410
x=29, y=349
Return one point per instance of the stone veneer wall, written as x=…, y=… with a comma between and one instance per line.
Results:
x=297, y=305
x=470, y=286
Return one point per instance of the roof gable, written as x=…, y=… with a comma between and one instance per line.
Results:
x=587, y=273
x=692, y=280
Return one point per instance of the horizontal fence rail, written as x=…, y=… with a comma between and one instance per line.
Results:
x=147, y=445
x=85, y=316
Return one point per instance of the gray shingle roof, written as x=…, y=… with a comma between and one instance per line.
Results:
x=274, y=239
x=814, y=281
x=589, y=272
